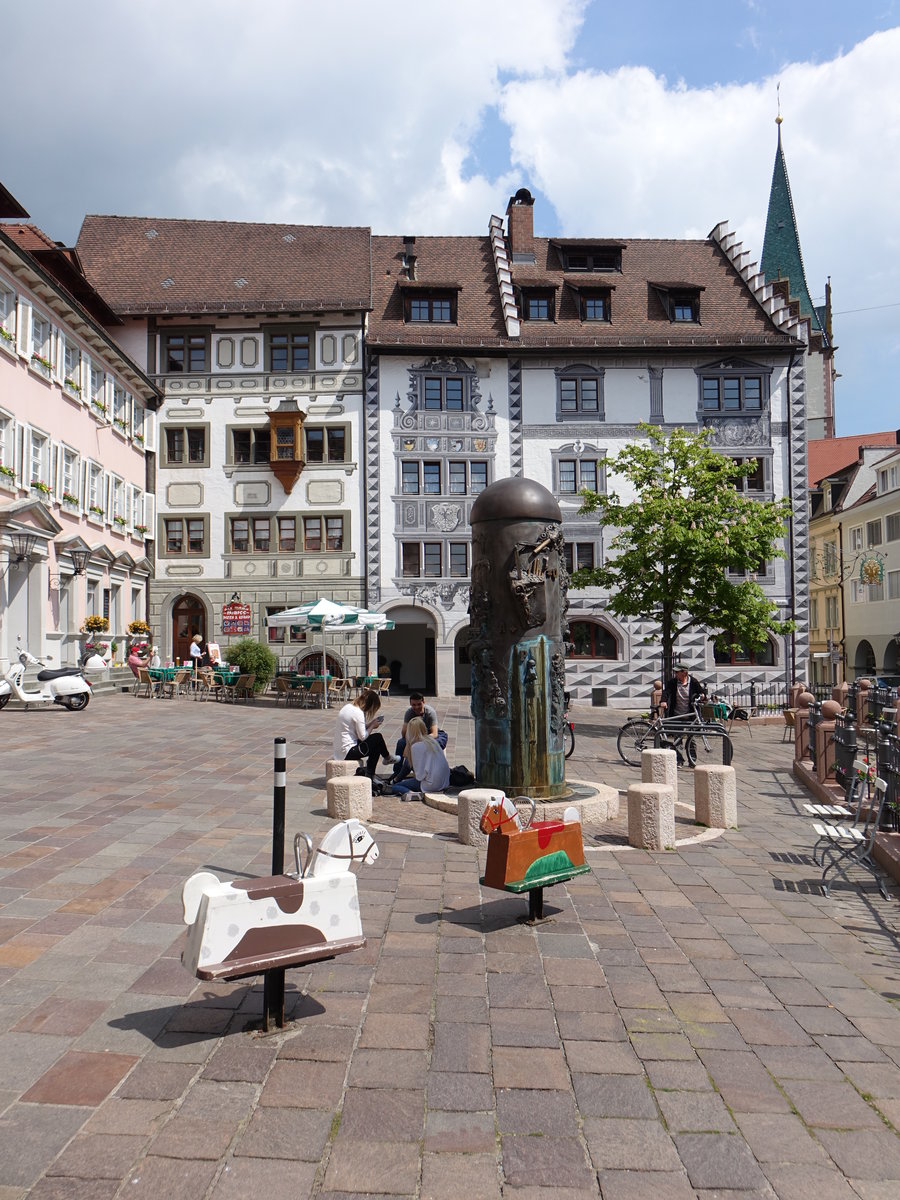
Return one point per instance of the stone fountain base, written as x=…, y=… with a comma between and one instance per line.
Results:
x=595, y=802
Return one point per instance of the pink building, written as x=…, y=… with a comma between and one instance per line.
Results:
x=77, y=428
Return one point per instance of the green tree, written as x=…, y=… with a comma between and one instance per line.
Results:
x=673, y=544
x=253, y=658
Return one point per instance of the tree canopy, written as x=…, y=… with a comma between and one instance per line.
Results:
x=675, y=544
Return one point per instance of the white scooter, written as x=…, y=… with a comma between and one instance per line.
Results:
x=66, y=686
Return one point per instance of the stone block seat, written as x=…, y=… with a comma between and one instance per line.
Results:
x=349, y=796
x=715, y=797
x=651, y=816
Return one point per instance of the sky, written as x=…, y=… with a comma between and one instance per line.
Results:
x=641, y=119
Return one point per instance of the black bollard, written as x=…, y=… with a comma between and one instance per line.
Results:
x=273, y=981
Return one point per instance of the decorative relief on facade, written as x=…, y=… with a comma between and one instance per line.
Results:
x=251, y=493
x=410, y=514
x=182, y=571
x=225, y=352
x=184, y=495
x=328, y=350
x=349, y=348
x=324, y=491
x=739, y=431
x=443, y=594
x=249, y=352
x=446, y=517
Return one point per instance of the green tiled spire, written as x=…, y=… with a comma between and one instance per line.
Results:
x=781, y=256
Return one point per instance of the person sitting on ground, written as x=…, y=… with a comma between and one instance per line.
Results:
x=136, y=660
x=430, y=771
x=356, y=736
x=424, y=712
x=682, y=691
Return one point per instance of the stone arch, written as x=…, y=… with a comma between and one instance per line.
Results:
x=163, y=634
x=864, y=664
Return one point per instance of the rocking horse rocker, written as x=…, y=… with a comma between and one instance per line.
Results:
x=529, y=856
x=247, y=927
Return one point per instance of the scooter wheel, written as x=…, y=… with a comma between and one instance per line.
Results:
x=77, y=703
x=4, y=700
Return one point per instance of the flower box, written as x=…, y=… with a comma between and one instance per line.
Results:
x=9, y=338
x=70, y=500
x=96, y=511
x=71, y=386
x=95, y=624
x=120, y=425
x=119, y=522
x=141, y=530
x=38, y=486
x=7, y=473
x=43, y=364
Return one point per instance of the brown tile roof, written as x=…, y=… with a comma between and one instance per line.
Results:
x=468, y=260
x=729, y=313
x=827, y=456
x=63, y=265
x=155, y=265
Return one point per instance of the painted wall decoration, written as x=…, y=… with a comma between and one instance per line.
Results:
x=235, y=619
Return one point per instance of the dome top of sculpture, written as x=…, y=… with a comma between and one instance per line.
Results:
x=509, y=499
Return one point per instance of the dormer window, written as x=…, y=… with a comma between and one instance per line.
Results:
x=429, y=305
x=594, y=306
x=538, y=305
x=591, y=258
x=680, y=302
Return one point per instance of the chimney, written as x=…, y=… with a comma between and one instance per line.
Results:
x=520, y=225
x=409, y=257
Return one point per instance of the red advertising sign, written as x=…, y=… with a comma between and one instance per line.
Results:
x=235, y=619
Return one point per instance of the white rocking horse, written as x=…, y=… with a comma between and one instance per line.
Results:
x=249, y=926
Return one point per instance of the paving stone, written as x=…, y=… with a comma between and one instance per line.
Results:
x=531, y=1027
x=718, y=1160
x=694, y=1112
x=639, y=1185
x=545, y=1162
x=614, y=1096
x=288, y=1133
x=241, y=1059
x=462, y=1048
x=383, y=1115
x=171, y=1178
x=679, y=1076
x=667, y=1046
x=457, y=1091
x=371, y=1167
x=31, y=1136
x=61, y=1016
x=780, y=1139
x=98, y=1156
x=539, y=1068
x=793, y=1182
x=864, y=1154
x=274, y=1179
x=128, y=1116
x=157, y=1081
x=397, y=1068
x=617, y=1144
x=458, y=1132
x=535, y=1112
x=383, y=1031
x=55, y=1188
x=24, y=1057
x=304, y=1085
x=769, y=1028
x=799, y=1062
x=80, y=1078
x=744, y=1083
x=615, y=1058
x=836, y=1105
x=449, y=1176
x=319, y=1044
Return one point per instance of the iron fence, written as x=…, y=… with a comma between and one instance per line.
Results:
x=845, y=744
x=759, y=698
x=815, y=716
x=887, y=759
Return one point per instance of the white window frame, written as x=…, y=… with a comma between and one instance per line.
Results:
x=41, y=341
x=892, y=527
x=68, y=474
x=859, y=592
x=856, y=538
x=120, y=415
x=7, y=317
x=93, y=491
x=893, y=585
x=38, y=469
x=96, y=378
x=874, y=533
x=8, y=444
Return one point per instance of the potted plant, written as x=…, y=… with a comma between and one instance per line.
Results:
x=71, y=386
x=6, y=335
x=253, y=658
x=44, y=363
x=69, y=499
x=95, y=624
x=120, y=522
x=39, y=486
x=98, y=407
x=139, y=629
x=139, y=438
x=141, y=529
x=119, y=424
x=96, y=510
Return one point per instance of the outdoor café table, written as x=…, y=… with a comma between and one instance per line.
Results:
x=227, y=677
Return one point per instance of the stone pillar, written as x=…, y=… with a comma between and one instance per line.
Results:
x=471, y=803
x=839, y=694
x=445, y=670
x=794, y=692
x=801, y=725
x=660, y=766
x=349, y=796
x=715, y=797
x=825, y=741
x=651, y=816
x=518, y=627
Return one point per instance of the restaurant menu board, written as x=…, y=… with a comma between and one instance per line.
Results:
x=235, y=619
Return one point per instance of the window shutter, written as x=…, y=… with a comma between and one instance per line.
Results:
x=84, y=485
x=23, y=329
x=150, y=513
x=129, y=506
x=767, y=473
x=25, y=466
x=106, y=488
x=56, y=470
x=150, y=430
x=18, y=436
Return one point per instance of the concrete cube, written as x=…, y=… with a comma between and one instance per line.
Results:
x=471, y=803
x=651, y=816
x=349, y=796
x=660, y=766
x=715, y=797
x=336, y=767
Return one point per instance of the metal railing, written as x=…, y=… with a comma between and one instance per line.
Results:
x=759, y=698
x=845, y=743
x=887, y=760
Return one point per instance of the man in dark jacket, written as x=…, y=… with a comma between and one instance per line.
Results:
x=681, y=693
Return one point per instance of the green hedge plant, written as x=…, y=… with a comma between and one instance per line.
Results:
x=253, y=658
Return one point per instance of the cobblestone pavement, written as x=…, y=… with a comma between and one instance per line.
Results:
x=694, y=1023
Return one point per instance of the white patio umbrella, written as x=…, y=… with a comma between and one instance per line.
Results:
x=329, y=615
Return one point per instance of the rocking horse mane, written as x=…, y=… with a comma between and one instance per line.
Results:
x=500, y=811
x=348, y=841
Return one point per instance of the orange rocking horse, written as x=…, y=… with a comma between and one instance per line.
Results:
x=529, y=856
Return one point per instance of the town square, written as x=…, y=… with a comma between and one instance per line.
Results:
x=449, y=601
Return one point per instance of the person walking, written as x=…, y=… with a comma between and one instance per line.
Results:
x=682, y=692
x=430, y=771
x=356, y=735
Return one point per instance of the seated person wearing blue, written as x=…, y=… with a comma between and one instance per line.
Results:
x=356, y=735
x=424, y=712
x=427, y=762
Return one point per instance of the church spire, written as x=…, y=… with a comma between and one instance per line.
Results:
x=781, y=255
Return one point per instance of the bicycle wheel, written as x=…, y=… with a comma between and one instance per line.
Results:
x=701, y=749
x=634, y=736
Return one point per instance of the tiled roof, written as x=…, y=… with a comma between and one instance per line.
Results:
x=468, y=260
x=828, y=456
x=729, y=313
x=155, y=265
x=62, y=263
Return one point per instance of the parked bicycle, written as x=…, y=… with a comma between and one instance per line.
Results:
x=691, y=737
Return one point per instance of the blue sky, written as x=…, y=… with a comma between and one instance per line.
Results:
x=625, y=120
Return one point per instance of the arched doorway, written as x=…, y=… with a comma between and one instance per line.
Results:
x=462, y=666
x=864, y=662
x=408, y=650
x=188, y=618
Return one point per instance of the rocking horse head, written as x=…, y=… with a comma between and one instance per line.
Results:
x=348, y=841
x=502, y=814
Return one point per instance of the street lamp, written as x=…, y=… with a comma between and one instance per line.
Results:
x=79, y=564
x=22, y=544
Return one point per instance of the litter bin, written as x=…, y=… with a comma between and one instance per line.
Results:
x=599, y=697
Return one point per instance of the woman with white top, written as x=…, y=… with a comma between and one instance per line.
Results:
x=430, y=769
x=356, y=735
